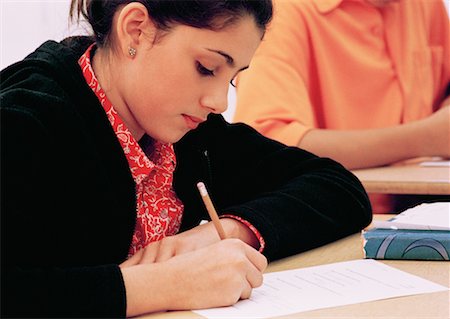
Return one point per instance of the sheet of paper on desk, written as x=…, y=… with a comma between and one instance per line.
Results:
x=435, y=163
x=429, y=216
x=298, y=290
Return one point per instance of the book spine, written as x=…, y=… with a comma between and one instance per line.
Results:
x=415, y=245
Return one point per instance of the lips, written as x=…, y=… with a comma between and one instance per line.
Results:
x=192, y=122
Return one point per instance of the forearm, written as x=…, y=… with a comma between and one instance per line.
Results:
x=368, y=148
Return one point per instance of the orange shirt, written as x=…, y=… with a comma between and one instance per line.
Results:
x=346, y=64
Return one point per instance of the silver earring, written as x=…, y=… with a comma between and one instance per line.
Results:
x=131, y=51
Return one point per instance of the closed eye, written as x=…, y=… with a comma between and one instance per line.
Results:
x=204, y=71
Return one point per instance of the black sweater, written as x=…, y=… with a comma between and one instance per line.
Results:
x=68, y=205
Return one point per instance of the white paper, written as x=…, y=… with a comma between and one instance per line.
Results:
x=435, y=163
x=432, y=216
x=299, y=290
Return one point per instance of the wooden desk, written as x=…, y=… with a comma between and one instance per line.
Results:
x=433, y=305
x=406, y=178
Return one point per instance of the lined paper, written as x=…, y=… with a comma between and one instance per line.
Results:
x=345, y=283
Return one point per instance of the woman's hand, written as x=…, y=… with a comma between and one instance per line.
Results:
x=193, y=239
x=217, y=275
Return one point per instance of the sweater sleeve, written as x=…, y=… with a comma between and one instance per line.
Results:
x=321, y=203
x=44, y=273
x=31, y=291
x=296, y=200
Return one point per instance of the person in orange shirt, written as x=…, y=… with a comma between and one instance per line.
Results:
x=361, y=81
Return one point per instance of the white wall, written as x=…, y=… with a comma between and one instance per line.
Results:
x=25, y=24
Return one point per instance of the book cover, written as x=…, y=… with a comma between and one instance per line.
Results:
x=406, y=244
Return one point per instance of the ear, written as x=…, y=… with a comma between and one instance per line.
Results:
x=133, y=27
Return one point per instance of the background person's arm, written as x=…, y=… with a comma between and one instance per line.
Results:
x=272, y=96
x=276, y=96
x=376, y=147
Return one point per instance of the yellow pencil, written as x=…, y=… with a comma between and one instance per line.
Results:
x=211, y=210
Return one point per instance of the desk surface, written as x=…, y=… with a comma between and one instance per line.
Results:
x=432, y=305
x=406, y=178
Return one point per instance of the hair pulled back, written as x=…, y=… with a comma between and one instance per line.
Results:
x=209, y=14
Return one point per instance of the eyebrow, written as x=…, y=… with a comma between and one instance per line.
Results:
x=230, y=60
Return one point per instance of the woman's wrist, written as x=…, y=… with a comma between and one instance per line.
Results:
x=139, y=281
x=423, y=138
x=235, y=229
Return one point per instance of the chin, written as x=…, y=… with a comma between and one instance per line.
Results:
x=172, y=137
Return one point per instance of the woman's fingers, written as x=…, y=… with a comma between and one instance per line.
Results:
x=254, y=273
x=254, y=277
x=258, y=259
x=246, y=292
x=151, y=253
x=133, y=260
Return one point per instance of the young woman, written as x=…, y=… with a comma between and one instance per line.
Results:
x=103, y=141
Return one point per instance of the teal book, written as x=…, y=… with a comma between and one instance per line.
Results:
x=382, y=243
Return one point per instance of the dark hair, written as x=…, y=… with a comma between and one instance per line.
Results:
x=210, y=14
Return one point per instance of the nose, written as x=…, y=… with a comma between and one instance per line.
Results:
x=216, y=100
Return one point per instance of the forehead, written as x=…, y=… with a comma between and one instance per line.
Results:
x=239, y=39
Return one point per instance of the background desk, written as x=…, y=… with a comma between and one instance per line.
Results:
x=434, y=305
x=407, y=178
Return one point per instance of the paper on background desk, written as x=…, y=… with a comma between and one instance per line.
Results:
x=338, y=284
x=429, y=216
x=435, y=163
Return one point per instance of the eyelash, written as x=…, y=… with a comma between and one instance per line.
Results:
x=207, y=72
x=233, y=82
x=204, y=71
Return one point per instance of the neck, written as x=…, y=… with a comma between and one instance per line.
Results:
x=102, y=64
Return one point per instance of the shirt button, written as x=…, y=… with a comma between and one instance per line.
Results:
x=164, y=213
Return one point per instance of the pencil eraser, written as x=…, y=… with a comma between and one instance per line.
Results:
x=201, y=187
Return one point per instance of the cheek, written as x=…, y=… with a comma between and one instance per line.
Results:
x=166, y=87
x=178, y=88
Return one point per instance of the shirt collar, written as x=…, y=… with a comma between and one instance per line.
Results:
x=325, y=6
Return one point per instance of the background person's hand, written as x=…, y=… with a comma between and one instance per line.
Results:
x=436, y=130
